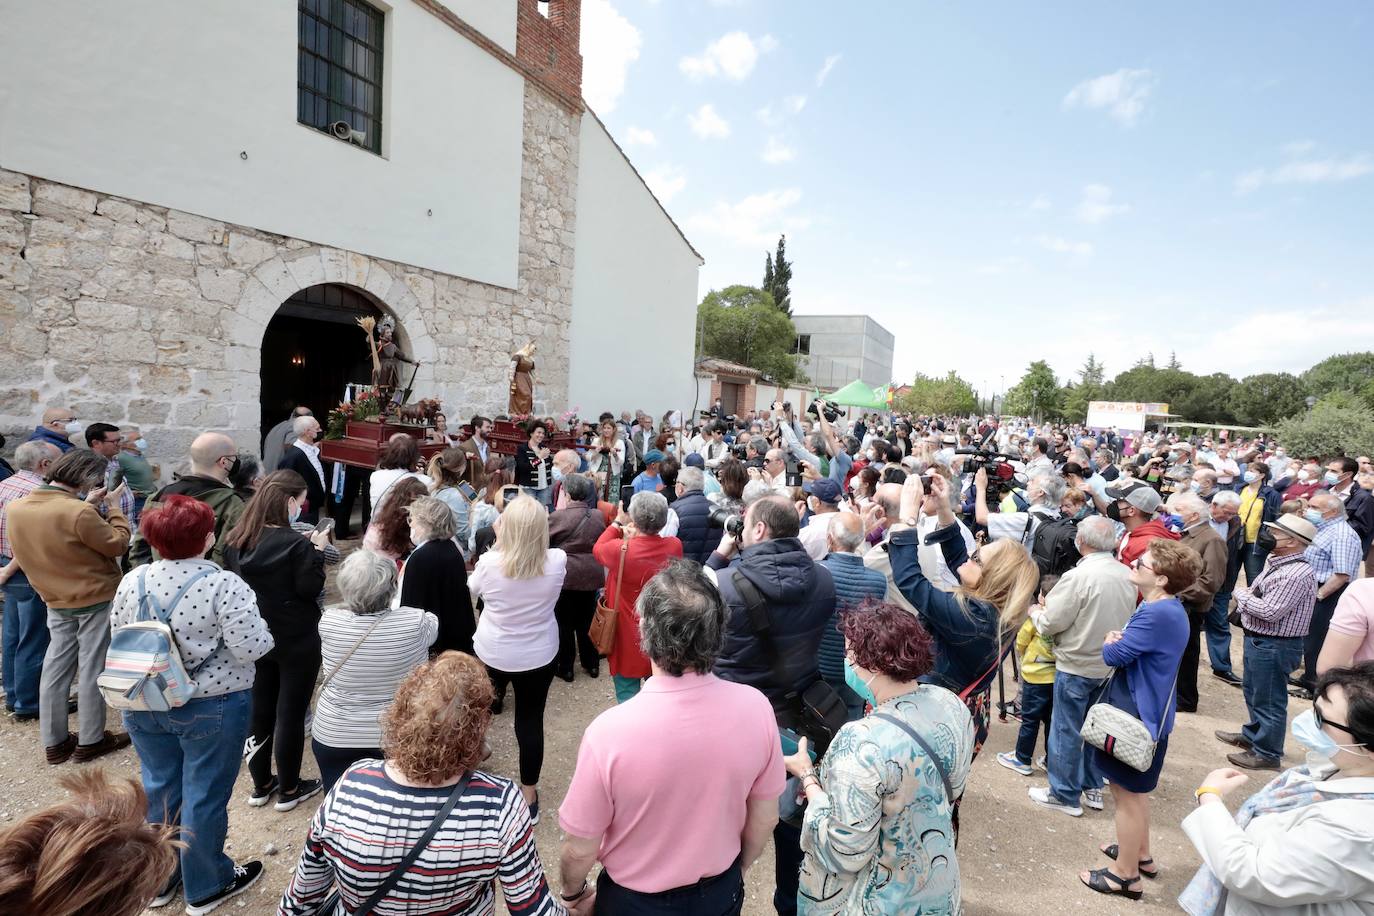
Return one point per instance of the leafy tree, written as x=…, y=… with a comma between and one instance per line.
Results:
x=1093, y=372
x=777, y=275
x=1209, y=401
x=1037, y=394
x=1076, y=398
x=1173, y=361
x=1349, y=371
x=741, y=324
x=939, y=396
x=1335, y=426
x=1260, y=400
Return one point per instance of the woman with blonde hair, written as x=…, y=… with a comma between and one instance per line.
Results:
x=519, y=581
x=425, y=831
x=447, y=471
x=973, y=625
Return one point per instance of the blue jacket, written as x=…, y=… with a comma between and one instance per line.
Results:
x=967, y=643
x=854, y=584
x=800, y=601
x=43, y=434
x=698, y=536
x=1150, y=648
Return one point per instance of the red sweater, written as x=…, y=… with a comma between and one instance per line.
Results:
x=646, y=556
x=1138, y=541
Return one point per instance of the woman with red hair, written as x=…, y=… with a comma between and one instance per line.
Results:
x=190, y=755
x=878, y=833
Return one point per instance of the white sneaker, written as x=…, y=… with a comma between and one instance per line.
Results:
x=1042, y=796
x=1092, y=798
x=1008, y=760
x=1040, y=764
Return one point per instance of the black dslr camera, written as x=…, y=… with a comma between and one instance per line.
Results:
x=832, y=413
x=1002, y=476
x=729, y=519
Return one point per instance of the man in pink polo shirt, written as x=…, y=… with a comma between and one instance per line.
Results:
x=1351, y=637
x=676, y=791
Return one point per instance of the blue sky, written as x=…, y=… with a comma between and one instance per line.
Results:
x=1000, y=183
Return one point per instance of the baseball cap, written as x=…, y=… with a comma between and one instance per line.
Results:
x=653, y=456
x=1138, y=494
x=826, y=490
x=1295, y=525
x=694, y=461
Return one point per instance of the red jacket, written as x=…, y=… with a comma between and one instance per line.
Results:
x=645, y=558
x=1138, y=541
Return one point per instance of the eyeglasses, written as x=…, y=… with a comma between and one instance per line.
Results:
x=1322, y=720
x=977, y=556
x=1141, y=564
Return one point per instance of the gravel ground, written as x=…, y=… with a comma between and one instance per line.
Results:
x=1016, y=858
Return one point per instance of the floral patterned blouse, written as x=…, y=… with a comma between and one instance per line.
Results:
x=881, y=838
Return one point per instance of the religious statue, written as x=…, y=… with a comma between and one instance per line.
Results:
x=522, y=381
x=386, y=359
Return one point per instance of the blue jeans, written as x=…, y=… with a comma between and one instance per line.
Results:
x=1037, y=706
x=1219, y=634
x=1070, y=765
x=190, y=759
x=1268, y=662
x=25, y=643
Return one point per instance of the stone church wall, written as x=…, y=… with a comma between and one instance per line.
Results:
x=127, y=312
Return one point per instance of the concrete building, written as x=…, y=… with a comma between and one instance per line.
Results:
x=837, y=349
x=198, y=200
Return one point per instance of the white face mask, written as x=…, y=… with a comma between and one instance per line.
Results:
x=73, y=428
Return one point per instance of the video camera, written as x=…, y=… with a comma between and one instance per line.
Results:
x=832, y=413
x=1002, y=475
x=725, y=517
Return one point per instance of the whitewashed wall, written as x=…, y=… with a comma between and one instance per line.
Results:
x=634, y=291
x=154, y=100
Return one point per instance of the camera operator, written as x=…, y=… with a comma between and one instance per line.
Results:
x=799, y=601
x=1044, y=492
x=755, y=448
x=838, y=464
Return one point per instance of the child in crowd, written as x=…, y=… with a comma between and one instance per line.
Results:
x=1037, y=690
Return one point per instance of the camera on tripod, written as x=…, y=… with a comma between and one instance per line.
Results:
x=832, y=413
x=1002, y=475
x=731, y=520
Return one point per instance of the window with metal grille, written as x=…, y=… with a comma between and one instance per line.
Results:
x=802, y=344
x=339, y=69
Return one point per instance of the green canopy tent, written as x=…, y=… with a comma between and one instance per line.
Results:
x=857, y=394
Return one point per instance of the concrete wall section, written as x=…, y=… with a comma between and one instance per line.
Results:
x=634, y=291
x=156, y=101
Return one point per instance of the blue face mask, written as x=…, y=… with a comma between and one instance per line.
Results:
x=294, y=513
x=1313, y=516
x=1331, y=478
x=859, y=685
x=1321, y=747
x=141, y=444
x=557, y=474
x=1251, y=476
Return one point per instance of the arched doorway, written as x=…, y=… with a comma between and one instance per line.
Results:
x=313, y=348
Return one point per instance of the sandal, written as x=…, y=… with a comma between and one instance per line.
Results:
x=1153, y=873
x=1098, y=880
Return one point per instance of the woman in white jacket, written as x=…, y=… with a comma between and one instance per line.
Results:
x=1302, y=844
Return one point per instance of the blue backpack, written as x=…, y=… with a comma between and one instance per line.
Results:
x=143, y=668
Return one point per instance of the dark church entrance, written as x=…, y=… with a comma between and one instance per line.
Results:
x=312, y=349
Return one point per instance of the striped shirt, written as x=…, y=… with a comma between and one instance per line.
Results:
x=1335, y=551
x=368, y=823
x=21, y=484
x=350, y=706
x=1280, y=601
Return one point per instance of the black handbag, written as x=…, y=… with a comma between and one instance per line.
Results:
x=331, y=903
x=817, y=711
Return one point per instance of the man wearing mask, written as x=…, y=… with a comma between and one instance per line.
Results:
x=58, y=426
x=1335, y=557
x=1359, y=502
x=1197, y=598
x=1224, y=517
x=214, y=458
x=1104, y=461
x=303, y=457
x=1275, y=610
x=136, y=470
x=1135, y=505
x=823, y=502
x=1205, y=484
x=1037, y=459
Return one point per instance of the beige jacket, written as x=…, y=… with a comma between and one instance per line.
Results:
x=70, y=554
x=1089, y=601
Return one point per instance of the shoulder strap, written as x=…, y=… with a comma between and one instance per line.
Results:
x=349, y=654
x=754, y=607
x=399, y=871
x=996, y=663
x=921, y=742
x=147, y=600
x=1026, y=532
x=620, y=570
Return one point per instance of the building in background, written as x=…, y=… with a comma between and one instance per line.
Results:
x=837, y=349
x=198, y=200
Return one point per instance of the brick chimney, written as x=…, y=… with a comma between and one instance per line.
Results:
x=548, y=45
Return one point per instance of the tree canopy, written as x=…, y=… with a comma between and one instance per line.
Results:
x=1037, y=394
x=930, y=396
x=777, y=277
x=743, y=325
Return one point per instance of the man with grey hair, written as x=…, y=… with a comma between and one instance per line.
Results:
x=855, y=583
x=1197, y=598
x=1091, y=600
x=698, y=535
x=633, y=757
x=303, y=457
x=1044, y=492
x=26, y=615
x=275, y=443
x=1223, y=515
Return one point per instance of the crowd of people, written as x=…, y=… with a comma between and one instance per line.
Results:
x=806, y=621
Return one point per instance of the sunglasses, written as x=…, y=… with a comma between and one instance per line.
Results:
x=1322, y=720
x=977, y=556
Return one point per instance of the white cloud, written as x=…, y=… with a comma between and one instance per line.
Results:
x=665, y=181
x=1307, y=171
x=708, y=125
x=640, y=136
x=774, y=115
x=1096, y=205
x=826, y=67
x=1040, y=203
x=733, y=56
x=1064, y=246
x=609, y=44
x=777, y=152
x=755, y=221
x=1123, y=94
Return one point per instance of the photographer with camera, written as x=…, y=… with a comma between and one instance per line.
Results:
x=778, y=604
x=1051, y=548
x=837, y=462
